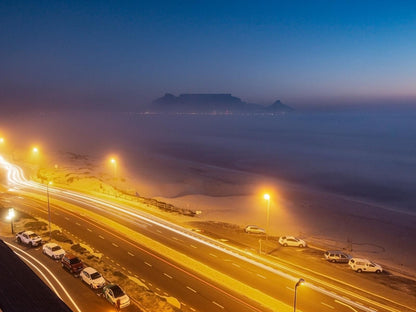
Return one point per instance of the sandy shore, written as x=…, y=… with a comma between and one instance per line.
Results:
x=321, y=218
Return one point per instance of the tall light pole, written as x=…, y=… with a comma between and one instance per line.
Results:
x=267, y=197
x=114, y=163
x=301, y=281
x=10, y=217
x=49, y=209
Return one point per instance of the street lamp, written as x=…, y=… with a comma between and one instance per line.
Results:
x=10, y=217
x=35, y=150
x=267, y=197
x=49, y=209
x=114, y=163
x=301, y=281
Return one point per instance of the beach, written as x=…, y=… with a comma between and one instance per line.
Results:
x=334, y=187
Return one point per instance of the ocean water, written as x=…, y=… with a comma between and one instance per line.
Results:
x=364, y=155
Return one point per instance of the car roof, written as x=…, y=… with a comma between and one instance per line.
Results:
x=28, y=232
x=90, y=270
x=360, y=259
x=51, y=244
x=336, y=251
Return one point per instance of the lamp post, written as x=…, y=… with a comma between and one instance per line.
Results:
x=114, y=163
x=301, y=281
x=49, y=209
x=10, y=217
x=267, y=197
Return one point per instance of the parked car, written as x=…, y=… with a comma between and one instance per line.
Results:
x=364, y=265
x=337, y=256
x=53, y=250
x=291, y=241
x=92, y=277
x=72, y=263
x=29, y=238
x=254, y=229
x=116, y=296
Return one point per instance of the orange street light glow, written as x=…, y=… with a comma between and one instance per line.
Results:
x=35, y=150
x=266, y=196
x=1, y=140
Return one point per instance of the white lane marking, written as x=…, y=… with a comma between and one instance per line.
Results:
x=159, y=231
x=211, y=254
x=100, y=236
x=130, y=254
x=262, y=276
x=114, y=244
x=174, y=238
x=167, y=275
x=54, y=277
x=194, y=246
x=327, y=305
x=290, y=288
x=236, y=265
x=123, y=268
x=192, y=309
x=218, y=305
x=158, y=289
x=89, y=230
x=344, y=304
x=66, y=218
x=77, y=224
x=112, y=260
x=148, y=264
x=191, y=289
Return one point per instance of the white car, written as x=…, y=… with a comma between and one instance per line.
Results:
x=254, y=229
x=92, y=277
x=364, y=265
x=291, y=241
x=53, y=250
x=116, y=296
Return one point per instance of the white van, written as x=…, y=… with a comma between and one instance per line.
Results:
x=364, y=265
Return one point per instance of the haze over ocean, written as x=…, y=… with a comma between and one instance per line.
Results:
x=366, y=155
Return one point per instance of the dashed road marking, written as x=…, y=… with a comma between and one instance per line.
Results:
x=77, y=223
x=130, y=254
x=158, y=289
x=218, y=305
x=191, y=289
x=159, y=231
x=236, y=265
x=194, y=246
x=327, y=305
x=211, y=254
x=262, y=276
x=174, y=238
x=192, y=309
x=148, y=264
x=89, y=230
x=100, y=236
x=167, y=275
x=66, y=218
x=114, y=244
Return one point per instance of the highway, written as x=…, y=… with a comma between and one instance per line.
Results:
x=203, y=273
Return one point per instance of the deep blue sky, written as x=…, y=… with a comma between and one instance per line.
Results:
x=127, y=52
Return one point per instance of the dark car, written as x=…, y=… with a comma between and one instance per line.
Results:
x=72, y=263
x=337, y=256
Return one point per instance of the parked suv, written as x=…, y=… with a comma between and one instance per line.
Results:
x=254, y=229
x=364, y=265
x=337, y=256
x=72, y=263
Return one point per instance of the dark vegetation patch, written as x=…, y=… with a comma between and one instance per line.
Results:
x=78, y=248
x=36, y=226
x=60, y=237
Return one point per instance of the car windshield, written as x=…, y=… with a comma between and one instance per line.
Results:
x=33, y=235
x=117, y=291
x=74, y=261
x=95, y=275
x=56, y=248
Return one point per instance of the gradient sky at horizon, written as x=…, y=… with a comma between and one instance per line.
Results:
x=92, y=53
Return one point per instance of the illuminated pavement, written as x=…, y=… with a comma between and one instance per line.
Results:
x=269, y=283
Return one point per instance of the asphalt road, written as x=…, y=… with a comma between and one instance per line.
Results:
x=196, y=292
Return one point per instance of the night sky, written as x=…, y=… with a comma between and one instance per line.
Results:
x=127, y=53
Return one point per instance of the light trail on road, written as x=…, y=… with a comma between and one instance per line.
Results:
x=25, y=256
x=16, y=177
